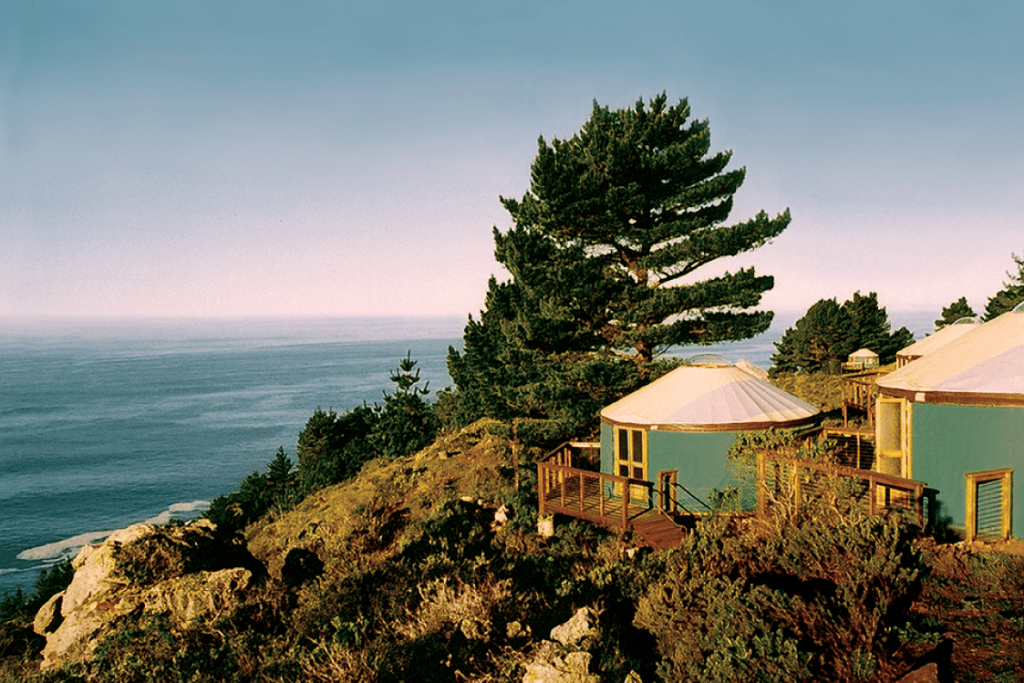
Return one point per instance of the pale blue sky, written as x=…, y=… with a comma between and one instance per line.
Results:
x=345, y=158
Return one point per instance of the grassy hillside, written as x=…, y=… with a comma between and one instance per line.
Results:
x=429, y=568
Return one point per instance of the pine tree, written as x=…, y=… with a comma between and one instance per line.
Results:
x=955, y=311
x=405, y=423
x=602, y=256
x=333, y=447
x=1011, y=294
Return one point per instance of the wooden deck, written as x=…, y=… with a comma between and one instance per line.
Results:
x=608, y=500
x=660, y=521
x=859, y=392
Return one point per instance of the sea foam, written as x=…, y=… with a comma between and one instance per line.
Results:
x=68, y=547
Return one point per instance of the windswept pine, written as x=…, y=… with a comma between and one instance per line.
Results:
x=617, y=219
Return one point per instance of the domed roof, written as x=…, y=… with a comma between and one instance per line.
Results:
x=706, y=399
x=937, y=339
x=984, y=365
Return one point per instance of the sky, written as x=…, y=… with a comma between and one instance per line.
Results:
x=346, y=157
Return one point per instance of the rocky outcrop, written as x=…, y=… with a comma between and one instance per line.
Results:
x=563, y=659
x=106, y=586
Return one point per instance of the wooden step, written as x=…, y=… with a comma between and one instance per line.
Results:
x=659, y=533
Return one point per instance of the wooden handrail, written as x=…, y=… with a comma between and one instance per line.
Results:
x=875, y=480
x=554, y=481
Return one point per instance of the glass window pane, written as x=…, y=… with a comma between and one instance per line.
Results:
x=638, y=446
x=623, y=453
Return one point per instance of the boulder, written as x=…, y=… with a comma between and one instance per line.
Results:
x=99, y=596
x=583, y=624
x=552, y=663
x=203, y=594
x=96, y=568
x=48, y=618
x=929, y=673
x=548, y=667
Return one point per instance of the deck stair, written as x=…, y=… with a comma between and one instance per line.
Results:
x=659, y=530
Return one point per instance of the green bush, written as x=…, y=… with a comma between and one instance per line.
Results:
x=810, y=601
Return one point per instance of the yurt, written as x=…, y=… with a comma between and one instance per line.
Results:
x=935, y=341
x=678, y=428
x=861, y=359
x=954, y=418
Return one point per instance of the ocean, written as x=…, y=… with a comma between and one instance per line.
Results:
x=105, y=423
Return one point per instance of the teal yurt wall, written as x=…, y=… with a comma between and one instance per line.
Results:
x=687, y=420
x=965, y=402
x=950, y=440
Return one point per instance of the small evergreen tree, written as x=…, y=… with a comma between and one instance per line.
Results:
x=955, y=311
x=405, y=423
x=1011, y=294
x=817, y=342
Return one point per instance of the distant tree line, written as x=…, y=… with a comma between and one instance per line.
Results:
x=1004, y=300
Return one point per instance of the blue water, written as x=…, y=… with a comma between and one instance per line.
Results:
x=108, y=423
x=105, y=424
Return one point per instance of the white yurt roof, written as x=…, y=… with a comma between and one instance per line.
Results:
x=936, y=340
x=704, y=398
x=864, y=353
x=986, y=364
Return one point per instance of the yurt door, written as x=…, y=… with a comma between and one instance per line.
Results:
x=631, y=460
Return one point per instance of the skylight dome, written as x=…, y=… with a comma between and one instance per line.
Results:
x=709, y=359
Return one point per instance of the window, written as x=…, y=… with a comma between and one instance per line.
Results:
x=989, y=504
x=631, y=453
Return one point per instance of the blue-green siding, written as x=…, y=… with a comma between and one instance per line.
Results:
x=699, y=458
x=950, y=440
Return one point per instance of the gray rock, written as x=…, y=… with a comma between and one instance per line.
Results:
x=203, y=594
x=96, y=568
x=98, y=598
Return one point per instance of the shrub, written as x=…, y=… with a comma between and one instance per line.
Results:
x=801, y=601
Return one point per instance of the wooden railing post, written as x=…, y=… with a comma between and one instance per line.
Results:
x=542, y=483
x=794, y=486
x=1007, y=505
x=625, y=505
x=581, y=491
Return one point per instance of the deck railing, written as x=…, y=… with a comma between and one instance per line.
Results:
x=859, y=451
x=797, y=481
x=604, y=498
x=860, y=391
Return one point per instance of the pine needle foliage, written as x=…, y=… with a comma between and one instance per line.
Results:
x=605, y=256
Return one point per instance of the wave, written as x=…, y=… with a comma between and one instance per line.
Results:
x=63, y=548
x=187, y=511
x=69, y=546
